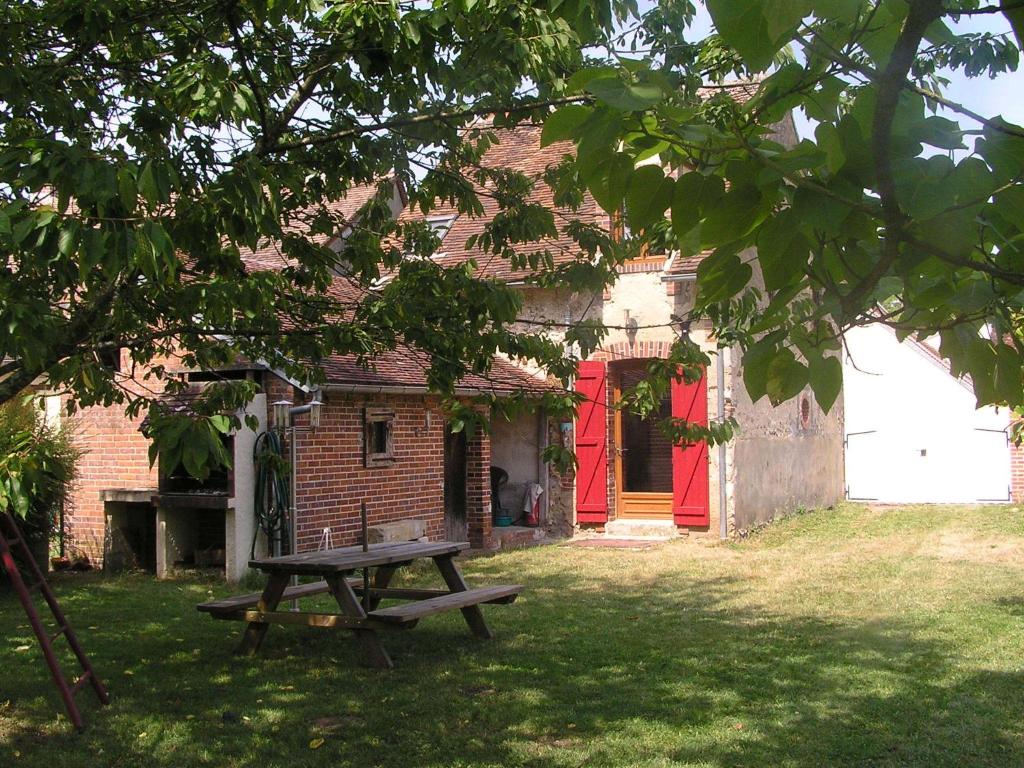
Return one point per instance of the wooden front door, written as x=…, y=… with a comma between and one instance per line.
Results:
x=653, y=478
x=643, y=455
x=456, y=521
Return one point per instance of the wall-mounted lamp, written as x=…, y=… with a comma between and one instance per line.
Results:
x=315, y=406
x=279, y=417
x=283, y=412
x=632, y=326
x=424, y=429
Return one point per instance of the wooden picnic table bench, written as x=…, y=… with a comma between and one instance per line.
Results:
x=365, y=618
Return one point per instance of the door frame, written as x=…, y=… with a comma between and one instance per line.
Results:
x=455, y=486
x=632, y=504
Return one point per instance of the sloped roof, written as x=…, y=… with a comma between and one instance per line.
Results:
x=406, y=367
x=402, y=367
x=517, y=149
x=269, y=255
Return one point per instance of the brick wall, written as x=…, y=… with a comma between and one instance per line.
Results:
x=478, y=490
x=115, y=455
x=332, y=478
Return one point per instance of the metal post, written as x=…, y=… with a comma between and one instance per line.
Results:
x=723, y=500
x=293, y=503
x=366, y=548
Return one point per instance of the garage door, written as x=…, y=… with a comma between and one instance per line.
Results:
x=964, y=468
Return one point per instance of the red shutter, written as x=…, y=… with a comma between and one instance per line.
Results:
x=592, y=444
x=690, y=496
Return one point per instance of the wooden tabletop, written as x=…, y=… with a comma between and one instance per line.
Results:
x=352, y=558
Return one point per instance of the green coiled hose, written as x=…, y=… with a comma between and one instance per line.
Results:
x=273, y=492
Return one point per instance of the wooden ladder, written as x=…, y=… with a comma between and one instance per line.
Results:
x=11, y=538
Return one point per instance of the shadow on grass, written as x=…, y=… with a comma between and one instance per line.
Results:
x=668, y=674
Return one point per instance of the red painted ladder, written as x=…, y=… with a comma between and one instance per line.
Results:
x=11, y=537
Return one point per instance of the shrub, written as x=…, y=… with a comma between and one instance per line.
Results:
x=37, y=465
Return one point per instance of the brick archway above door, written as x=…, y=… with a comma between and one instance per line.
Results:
x=623, y=350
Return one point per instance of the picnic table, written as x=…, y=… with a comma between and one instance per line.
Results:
x=365, y=617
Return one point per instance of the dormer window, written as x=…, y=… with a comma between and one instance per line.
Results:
x=441, y=224
x=648, y=258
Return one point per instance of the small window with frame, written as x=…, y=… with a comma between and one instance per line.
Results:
x=378, y=437
x=647, y=256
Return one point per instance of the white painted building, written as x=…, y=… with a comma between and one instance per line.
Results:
x=914, y=433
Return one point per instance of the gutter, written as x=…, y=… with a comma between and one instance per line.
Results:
x=375, y=389
x=686, y=277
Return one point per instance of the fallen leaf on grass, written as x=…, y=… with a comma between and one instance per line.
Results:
x=334, y=724
x=316, y=743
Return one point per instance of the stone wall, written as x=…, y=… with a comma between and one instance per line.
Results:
x=786, y=457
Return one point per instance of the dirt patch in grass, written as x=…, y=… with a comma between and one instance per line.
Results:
x=596, y=543
x=965, y=546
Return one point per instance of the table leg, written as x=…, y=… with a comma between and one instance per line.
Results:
x=350, y=606
x=254, y=633
x=381, y=580
x=473, y=615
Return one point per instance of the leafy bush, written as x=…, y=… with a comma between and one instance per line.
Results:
x=37, y=465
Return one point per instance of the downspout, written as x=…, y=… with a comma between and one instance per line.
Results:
x=543, y=476
x=723, y=511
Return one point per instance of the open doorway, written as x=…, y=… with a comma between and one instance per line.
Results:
x=456, y=521
x=643, y=454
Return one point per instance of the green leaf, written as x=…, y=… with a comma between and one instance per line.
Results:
x=580, y=79
x=194, y=455
x=756, y=359
x=739, y=210
x=564, y=123
x=1003, y=151
x=610, y=180
x=757, y=29
x=693, y=196
x=126, y=189
x=649, y=194
x=782, y=251
x=627, y=97
x=1016, y=18
x=147, y=184
x=787, y=376
x=826, y=379
x=721, y=276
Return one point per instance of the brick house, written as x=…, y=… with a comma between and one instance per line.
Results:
x=382, y=439
x=628, y=474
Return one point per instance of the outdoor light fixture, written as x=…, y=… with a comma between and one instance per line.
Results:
x=632, y=326
x=280, y=413
x=314, y=412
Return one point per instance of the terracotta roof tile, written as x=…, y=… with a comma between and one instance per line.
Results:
x=517, y=149
x=269, y=255
x=406, y=367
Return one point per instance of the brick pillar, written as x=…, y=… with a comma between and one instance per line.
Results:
x=478, y=490
x=1017, y=473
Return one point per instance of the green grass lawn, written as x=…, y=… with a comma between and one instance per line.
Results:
x=854, y=637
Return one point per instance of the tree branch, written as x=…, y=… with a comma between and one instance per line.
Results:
x=404, y=122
